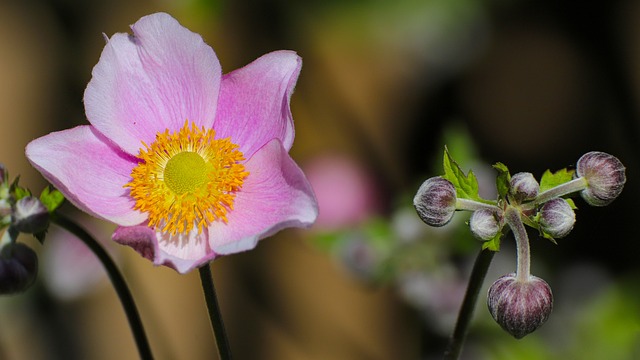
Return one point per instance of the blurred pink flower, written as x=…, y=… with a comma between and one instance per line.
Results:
x=346, y=192
x=189, y=163
x=62, y=248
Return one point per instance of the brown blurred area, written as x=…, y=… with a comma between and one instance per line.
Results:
x=537, y=84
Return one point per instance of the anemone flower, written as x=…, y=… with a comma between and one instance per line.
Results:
x=189, y=163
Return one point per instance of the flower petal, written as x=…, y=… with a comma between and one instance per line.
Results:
x=182, y=252
x=153, y=80
x=253, y=107
x=275, y=195
x=88, y=171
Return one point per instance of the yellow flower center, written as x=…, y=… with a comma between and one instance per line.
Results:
x=187, y=179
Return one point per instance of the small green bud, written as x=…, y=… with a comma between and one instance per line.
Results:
x=605, y=176
x=435, y=201
x=557, y=217
x=520, y=307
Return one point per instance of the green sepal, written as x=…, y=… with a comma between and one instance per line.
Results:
x=17, y=191
x=466, y=184
x=535, y=223
x=502, y=180
x=550, y=180
x=51, y=198
x=494, y=243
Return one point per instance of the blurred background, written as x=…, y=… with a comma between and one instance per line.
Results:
x=384, y=86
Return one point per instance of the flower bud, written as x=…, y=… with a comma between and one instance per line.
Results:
x=524, y=186
x=30, y=215
x=18, y=268
x=484, y=224
x=605, y=177
x=435, y=201
x=520, y=307
x=557, y=217
x=4, y=175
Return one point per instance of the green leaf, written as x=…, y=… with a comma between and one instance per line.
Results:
x=494, y=243
x=550, y=180
x=21, y=192
x=466, y=184
x=51, y=199
x=503, y=179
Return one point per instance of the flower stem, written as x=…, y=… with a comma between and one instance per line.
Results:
x=512, y=216
x=119, y=284
x=472, y=205
x=480, y=268
x=224, y=350
x=575, y=185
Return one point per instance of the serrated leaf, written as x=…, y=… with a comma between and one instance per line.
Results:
x=494, y=243
x=550, y=180
x=502, y=180
x=466, y=184
x=51, y=199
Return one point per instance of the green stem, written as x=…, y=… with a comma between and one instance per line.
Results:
x=480, y=268
x=224, y=350
x=117, y=280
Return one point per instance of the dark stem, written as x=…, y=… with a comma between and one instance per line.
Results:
x=480, y=268
x=224, y=350
x=117, y=280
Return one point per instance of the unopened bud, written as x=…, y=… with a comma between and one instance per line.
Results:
x=520, y=307
x=30, y=215
x=18, y=268
x=605, y=176
x=557, y=217
x=524, y=186
x=484, y=224
x=4, y=175
x=435, y=201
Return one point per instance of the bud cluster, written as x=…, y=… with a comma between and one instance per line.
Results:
x=20, y=212
x=520, y=302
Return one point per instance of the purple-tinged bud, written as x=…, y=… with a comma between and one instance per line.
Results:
x=557, y=217
x=524, y=186
x=435, y=201
x=520, y=307
x=30, y=215
x=18, y=268
x=4, y=175
x=605, y=176
x=484, y=224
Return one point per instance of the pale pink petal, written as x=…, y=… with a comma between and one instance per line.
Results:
x=253, y=107
x=275, y=195
x=152, y=80
x=89, y=172
x=181, y=252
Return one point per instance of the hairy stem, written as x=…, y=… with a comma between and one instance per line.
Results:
x=512, y=216
x=567, y=188
x=119, y=284
x=480, y=268
x=472, y=205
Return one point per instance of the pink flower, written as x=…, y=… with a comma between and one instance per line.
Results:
x=189, y=163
